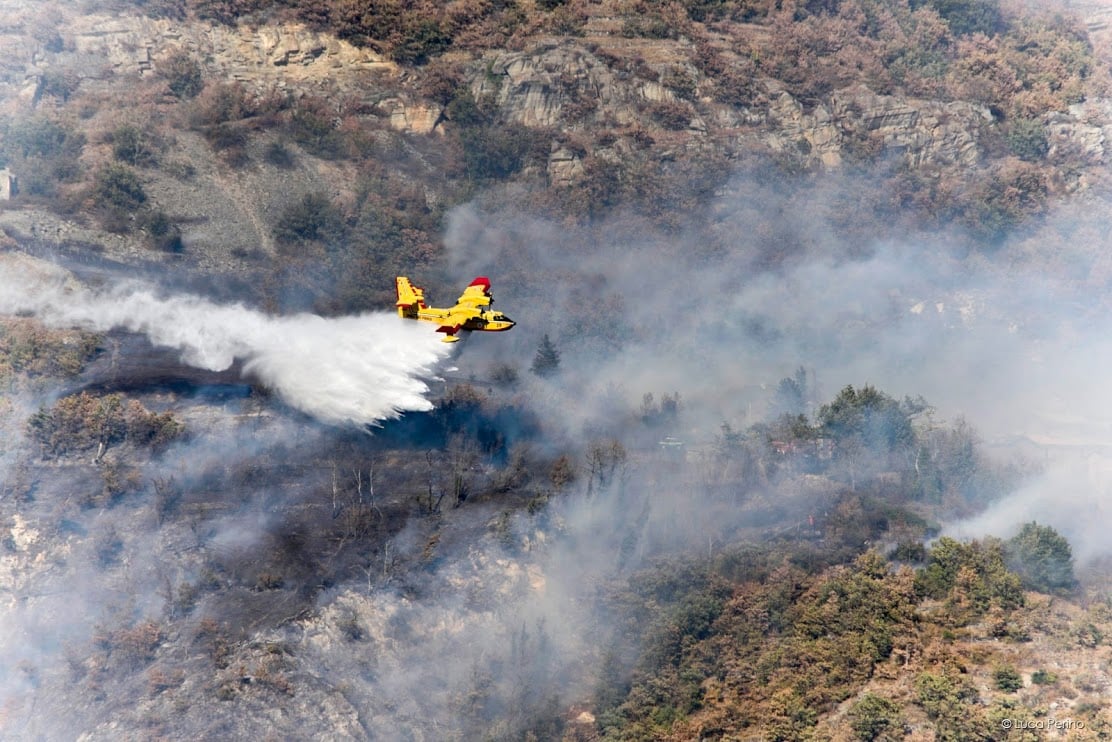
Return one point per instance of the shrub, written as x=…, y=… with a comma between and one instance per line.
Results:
x=1043, y=677
x=136, y=647
x=673, y=116
x=681, y=81
x=83, y=421
x=60, y=84
x=279, y=155
x=311, y=127
x=226, y=11
x=118, y=187
x=107, y=546
x=967, y=17
x=504, y=375
x=497, y=152
x=1002, y=202
x=421, y=38
x=163, y=233
x=183, y=75
x=174, y=10
x=649, y=27
x=1027, y=139
x=26, y=347
x=220, y=104
x=464, y=110
x=1007, y=679
x=49, y=163
x=132, y=146
x=1089, y=636
x=33, y=137
x=226, y=138
x=313, y=218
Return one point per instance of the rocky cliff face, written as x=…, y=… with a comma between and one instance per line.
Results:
x=568, y=87
x=282, y=56
x=855, y=119
x=556, y=84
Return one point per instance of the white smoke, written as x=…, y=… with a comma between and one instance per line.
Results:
x=1072, y=497
x=358, y=369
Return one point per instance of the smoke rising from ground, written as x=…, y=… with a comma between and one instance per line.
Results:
x=359, y=370
x=1014, y=339
x=447, y=613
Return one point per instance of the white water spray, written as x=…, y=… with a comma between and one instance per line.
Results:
x=358, y=369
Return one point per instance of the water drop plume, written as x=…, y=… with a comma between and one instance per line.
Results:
x=356, y=369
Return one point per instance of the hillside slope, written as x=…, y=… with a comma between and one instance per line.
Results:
x=643, y=534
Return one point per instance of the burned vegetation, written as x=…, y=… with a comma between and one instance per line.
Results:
x=189, y=554
x=754, y=581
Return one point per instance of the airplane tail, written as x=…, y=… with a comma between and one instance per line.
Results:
x=410, y=298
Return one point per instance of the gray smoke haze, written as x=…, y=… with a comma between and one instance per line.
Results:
x=1014, y=343
x=1017, y=340
x=74, y=574
x=358, y=370
x=507, y=614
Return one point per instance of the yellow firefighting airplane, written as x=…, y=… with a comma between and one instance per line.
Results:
x=471, y=312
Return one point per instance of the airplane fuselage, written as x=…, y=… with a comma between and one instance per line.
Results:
x=488, y=321
x=470, y=312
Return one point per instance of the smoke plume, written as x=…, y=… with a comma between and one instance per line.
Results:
x=358, y=369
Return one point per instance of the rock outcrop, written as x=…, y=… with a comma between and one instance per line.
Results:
x=558, y=84
x=555, y=85
x=98, y=47
x=858, y=121
x=413, y=117
x=1085, y=129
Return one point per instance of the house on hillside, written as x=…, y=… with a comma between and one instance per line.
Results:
x=7, y=184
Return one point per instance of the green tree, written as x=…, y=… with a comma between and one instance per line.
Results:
x=967, y=17
x=791, y=394
x=875, y=718
x=1041, y=557
x=547, y=359
x=943, y=696
x=871, y=416
x=972, y=576
x=1007, y=679
x=420, y=39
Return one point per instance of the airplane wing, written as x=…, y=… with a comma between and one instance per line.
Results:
x=450, y=331
x=476, y=295
x=410, y=298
